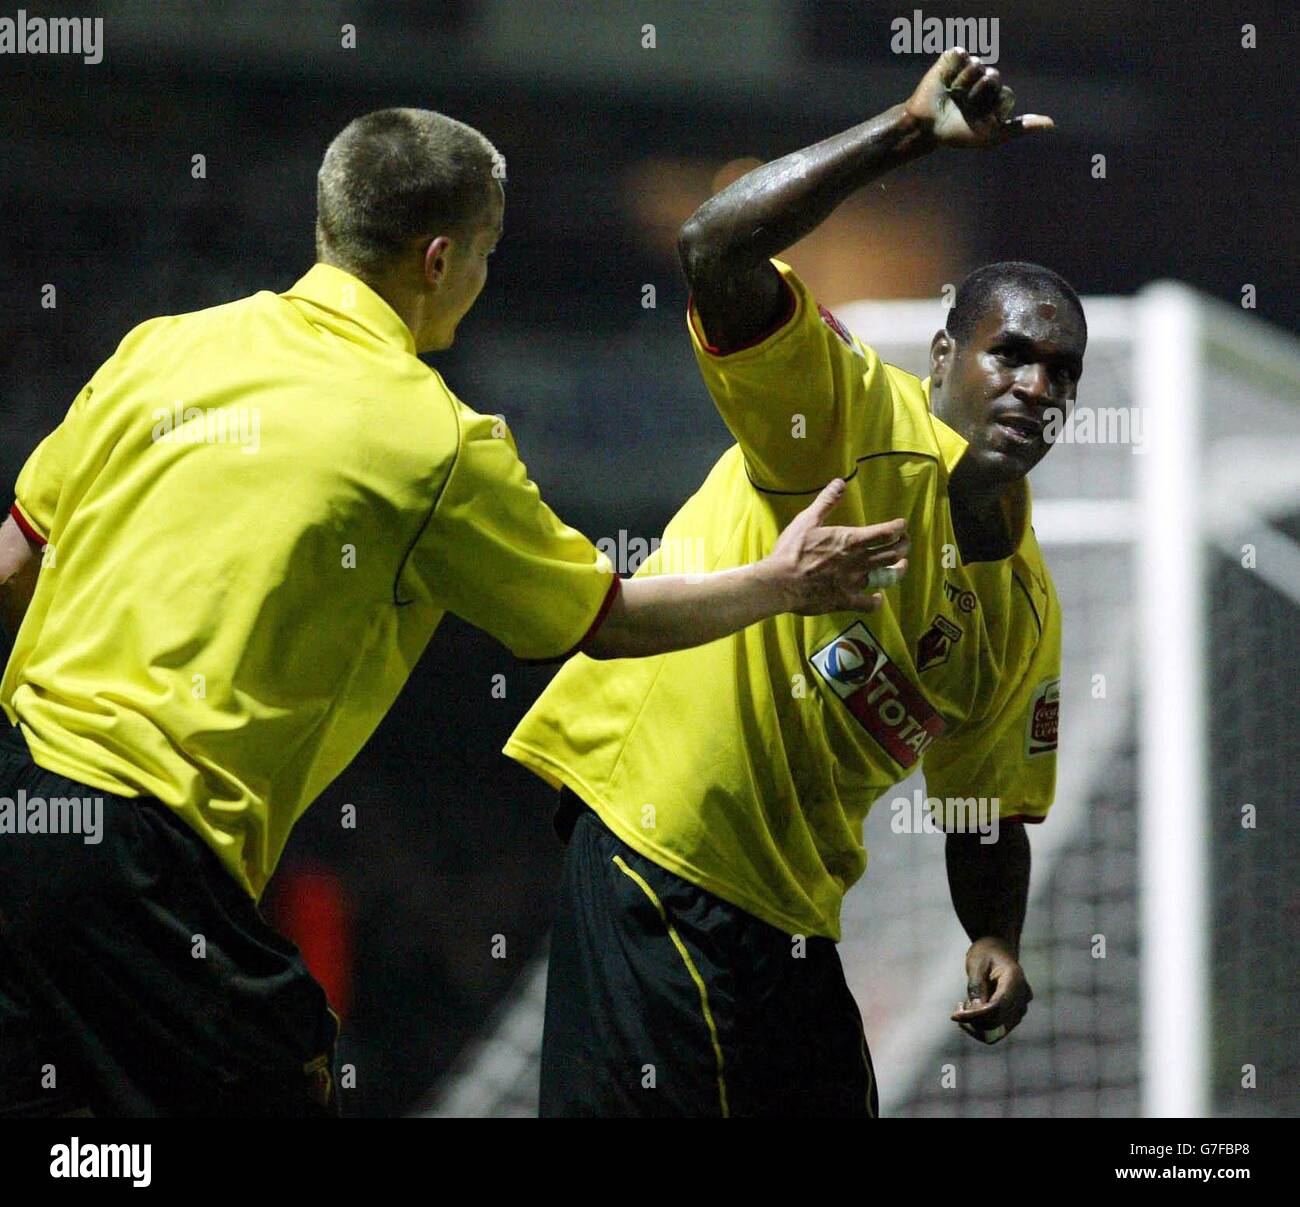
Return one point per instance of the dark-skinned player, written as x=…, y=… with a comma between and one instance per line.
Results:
x=715, y=797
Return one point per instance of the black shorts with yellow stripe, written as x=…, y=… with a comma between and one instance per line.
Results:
x=664, y=1000
x=137, y=978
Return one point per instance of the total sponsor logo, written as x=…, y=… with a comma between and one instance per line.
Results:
x=849, y=661
x=888, y=706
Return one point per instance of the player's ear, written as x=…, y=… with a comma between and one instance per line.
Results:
x=942, y=348
x=435, y=260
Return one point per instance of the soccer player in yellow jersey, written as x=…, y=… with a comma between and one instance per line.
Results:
x=715, y=797
x=247, y=528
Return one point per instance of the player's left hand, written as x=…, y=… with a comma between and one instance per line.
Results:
x=963, y=102
x=998, y=995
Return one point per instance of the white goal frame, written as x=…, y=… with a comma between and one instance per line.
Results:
x=1182, y=514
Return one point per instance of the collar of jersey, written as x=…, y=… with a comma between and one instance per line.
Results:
x=352, y=300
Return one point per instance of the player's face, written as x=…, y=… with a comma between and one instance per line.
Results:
x=1000, y=387
x=464, y=273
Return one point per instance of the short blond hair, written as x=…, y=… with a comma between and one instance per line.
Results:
x=393, y=175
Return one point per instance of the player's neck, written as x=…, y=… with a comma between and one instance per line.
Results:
x=979, y=520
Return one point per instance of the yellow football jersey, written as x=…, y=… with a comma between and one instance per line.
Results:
x=256, y=517
x=748, y=765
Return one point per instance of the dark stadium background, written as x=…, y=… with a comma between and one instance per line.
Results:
x=608, y=147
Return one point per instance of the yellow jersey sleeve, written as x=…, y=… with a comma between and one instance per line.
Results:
x=1009, y=756
x=497, y=556
x=805, y=401
x=40, y=483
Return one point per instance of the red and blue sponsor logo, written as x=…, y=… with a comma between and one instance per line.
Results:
x=850, y=662
x=888, y=705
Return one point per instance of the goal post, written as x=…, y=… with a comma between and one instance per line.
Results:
x=1219, y=596
x=1172, y=829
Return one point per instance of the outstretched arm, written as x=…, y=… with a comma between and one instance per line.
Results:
x=812, y=570
x=989, y=883
x=727, y=244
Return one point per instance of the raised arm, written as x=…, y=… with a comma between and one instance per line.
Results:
x=727, y=244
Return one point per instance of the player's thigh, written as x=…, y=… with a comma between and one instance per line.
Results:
x=637, y=1009
x=802, y=1050
x=176, y=998
x=40, y=1074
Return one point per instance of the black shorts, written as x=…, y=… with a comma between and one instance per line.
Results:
x=663, y=1000
x=137, y=977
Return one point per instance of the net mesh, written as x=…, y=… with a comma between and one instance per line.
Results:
x=1254, y=669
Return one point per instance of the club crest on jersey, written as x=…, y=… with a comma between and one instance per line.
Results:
x=936, y=642
x=839, y=328
x=1044, y=718
x=887, y=705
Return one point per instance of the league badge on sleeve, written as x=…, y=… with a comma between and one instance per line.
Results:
x=1044, y=717
x=839, y=328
